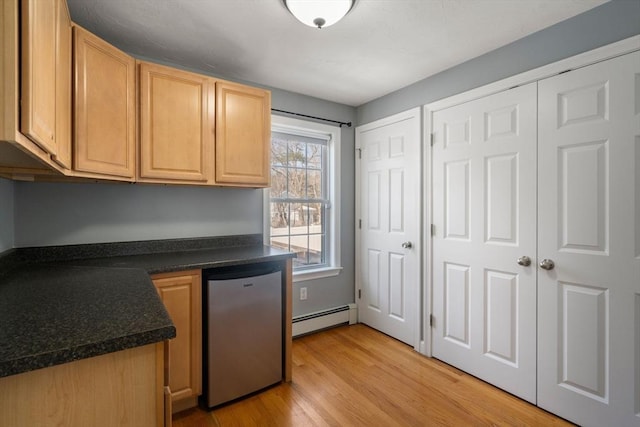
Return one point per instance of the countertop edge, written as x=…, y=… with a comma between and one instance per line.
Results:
x=217, y=264
x=85, y=351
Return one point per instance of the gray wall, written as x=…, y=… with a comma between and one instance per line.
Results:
x=6, y=215
x=605, y=24
x=62, y=214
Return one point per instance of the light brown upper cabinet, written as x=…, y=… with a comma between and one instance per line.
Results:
x=64, y=91
x=243, y=135
x=46, y=76
x=105, y=131
x=176, y=125
x=74, y=105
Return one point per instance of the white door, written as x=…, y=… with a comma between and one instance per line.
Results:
x=589, y=226
x=484, y=212
x=389, y=231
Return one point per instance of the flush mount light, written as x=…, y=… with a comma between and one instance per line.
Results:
x=319, y=13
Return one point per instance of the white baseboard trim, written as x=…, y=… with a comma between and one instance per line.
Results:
x=347, y=314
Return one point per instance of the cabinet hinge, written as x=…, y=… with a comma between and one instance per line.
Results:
x=431, y=320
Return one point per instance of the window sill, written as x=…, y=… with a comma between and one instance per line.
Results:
x=319, y=273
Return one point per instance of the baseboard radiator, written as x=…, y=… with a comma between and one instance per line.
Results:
x=347, y=314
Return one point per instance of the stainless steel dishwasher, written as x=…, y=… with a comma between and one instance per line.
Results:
x=243, y=331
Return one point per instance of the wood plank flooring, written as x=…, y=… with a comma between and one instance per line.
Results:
x=356, y=376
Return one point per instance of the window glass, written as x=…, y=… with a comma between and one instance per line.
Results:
x=299, y=199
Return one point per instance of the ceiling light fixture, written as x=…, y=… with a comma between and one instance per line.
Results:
x=319, y=13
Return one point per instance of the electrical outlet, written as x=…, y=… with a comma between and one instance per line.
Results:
x=303, y=294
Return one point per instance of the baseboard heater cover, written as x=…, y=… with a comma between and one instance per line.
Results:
x=312, y=322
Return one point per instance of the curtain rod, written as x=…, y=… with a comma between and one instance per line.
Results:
x=347, y=124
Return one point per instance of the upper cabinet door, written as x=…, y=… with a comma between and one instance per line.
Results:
x=176, y=124
x=105, y=137
x=243, y=135
x=63, y=85
x=38, y=110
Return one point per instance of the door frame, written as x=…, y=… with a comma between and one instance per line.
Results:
x=584, y=59
x=419, y=309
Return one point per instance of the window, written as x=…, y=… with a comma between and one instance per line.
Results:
x=302, y=201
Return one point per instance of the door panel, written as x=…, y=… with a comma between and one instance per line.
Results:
x=484, y=203
x=637, y=353
x=456, y=186
x=584, y=311
x=589, y=128
x=396, y=293
x=396, y=200
x=373, y=189
x=583, y=194
x=373, y=279
x=389, y=176
x=181, y=293
x=243, y=135
x=456, y=304
x=104, y=107
x=176, y=124
x=38, y=97
x=64, y=105
x=501, y=176
x=501, y=301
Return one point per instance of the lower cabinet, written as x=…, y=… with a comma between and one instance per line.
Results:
x=116, y=389
x=181, y=293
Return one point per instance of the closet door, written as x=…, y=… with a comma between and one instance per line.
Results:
x=589, y=226
x=484, y=211
x=389, y=250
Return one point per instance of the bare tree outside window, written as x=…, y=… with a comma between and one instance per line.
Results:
x=299, y=197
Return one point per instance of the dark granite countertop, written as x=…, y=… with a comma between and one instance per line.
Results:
x=55, y=314
x=189, y=259
x=64, y=303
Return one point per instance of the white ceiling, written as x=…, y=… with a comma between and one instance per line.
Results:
x=379, y=47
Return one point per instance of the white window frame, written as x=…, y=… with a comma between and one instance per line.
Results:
x=313, y=129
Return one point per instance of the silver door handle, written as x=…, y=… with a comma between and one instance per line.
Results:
x=407, y=245
x=547, y=264
x=524, y=261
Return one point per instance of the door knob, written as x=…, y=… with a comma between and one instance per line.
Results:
x=547, y=264
x=407, y=245
x=524, y=261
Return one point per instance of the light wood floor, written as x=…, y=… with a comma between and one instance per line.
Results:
x=356, y=376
